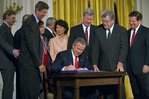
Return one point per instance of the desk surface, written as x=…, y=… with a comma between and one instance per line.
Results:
x=88, y=74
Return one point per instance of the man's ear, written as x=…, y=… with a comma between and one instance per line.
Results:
x=73, y=45
x=7, y=17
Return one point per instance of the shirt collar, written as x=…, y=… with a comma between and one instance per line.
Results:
x=49, y=29
x=84, y=27
x=136, y=29
x=73, y=54
x=6, y=23
x=111, y=29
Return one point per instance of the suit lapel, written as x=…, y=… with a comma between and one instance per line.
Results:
x=82, y=32
x=36, y=24
x=103, y=35
x=91, y=34
x=8, y=34
x=70, y=58
x=129, y=34
x=137, y=35
x=37, y=33
x=114, y=34
x=52, y=34
x=80, y=61
x=8, y=29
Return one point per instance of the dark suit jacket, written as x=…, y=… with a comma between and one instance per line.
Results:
x=77, y=31
x=30, y=45
x=16, y=38
x=6, y=48
x=107, y=55
x=30, y=59
x=65, y=58
x=48, y=34
x=138, y=54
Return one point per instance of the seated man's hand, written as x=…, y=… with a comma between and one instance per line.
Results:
x=95, y=67
x=82, y=68
x=70, y=67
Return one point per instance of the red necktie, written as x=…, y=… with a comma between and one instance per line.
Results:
x=76, y=62
x=133, y=37
x=86, y=35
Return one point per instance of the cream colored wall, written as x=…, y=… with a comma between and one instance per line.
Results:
x=1, y=10
x=145, y=8
x=142, y=6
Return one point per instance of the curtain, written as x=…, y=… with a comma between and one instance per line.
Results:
x=69, y=10
x=128, y=88
x=124, y=7
x=72, y=10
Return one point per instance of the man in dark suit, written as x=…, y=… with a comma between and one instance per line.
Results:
x=17, y=40
x=85, y=30
x=49, y=30
x=17, y=34
x=74, y=60
x=7, y=54
x=138, y=56
x=110, y=45
x=30, y=60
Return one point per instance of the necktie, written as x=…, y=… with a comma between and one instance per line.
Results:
x=76, y=62
x=109, y=34
x=86, y=35
x=133, y=37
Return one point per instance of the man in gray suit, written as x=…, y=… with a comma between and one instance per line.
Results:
x=109, y=48
x=7, y=54
x=49, y=30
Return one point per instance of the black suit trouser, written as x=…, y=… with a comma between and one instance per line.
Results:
x=8, y=85
x=29, y=83
x=140, y=85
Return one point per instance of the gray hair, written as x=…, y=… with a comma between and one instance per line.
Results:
x=79, y=40
x=108, y=13
x=89, y=11
x=50, y=21
x=25, y=17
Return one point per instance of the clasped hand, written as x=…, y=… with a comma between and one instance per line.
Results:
x=16, y=53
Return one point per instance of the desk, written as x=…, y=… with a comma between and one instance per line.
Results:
x=77, y=80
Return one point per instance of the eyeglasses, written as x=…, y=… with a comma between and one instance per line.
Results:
x=106, y=21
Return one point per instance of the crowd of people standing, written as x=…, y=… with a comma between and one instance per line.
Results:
x=36, y=49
